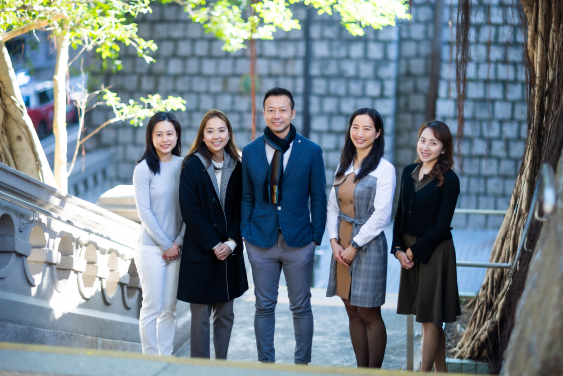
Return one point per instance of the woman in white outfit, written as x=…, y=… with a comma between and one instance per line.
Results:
x=157, y=256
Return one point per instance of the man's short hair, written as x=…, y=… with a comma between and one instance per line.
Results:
x=278, y=92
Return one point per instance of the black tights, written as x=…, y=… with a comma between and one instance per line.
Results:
x=368, y=334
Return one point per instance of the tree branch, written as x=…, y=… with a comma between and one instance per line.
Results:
x=120, y=118
x=32, y=26
x=33, y=8
x=77, y=56
x=187, y=6
x=528, y=6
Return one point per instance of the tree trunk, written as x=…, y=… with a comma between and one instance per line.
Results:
x=492, y=320
x=536, y=343
x=19, y=145
x=59, y=117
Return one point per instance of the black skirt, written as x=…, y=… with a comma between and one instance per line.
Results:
x=429, y=291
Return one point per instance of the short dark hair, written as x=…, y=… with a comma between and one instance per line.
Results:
x=277, y=92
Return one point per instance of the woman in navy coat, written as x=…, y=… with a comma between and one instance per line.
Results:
x=212, y=273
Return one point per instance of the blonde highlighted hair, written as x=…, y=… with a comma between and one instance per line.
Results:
x=198, y=146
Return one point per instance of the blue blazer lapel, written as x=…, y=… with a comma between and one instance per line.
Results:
x=295, y=149
x=261, y=145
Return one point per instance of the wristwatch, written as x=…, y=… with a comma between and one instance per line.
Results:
x=397, y=250
x=355, y=245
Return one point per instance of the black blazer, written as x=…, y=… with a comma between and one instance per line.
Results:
x=203, y=278
x=426, y=214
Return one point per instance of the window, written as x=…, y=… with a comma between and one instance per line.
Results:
x=43, y=97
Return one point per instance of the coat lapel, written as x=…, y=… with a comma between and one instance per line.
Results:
x=295, y=149
x=261, y=145
x=211, y=172
x=229, y=165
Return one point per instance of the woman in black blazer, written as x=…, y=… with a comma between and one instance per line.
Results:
x=422, y=241
x=212, y=273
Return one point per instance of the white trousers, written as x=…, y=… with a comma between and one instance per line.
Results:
x=159, y=283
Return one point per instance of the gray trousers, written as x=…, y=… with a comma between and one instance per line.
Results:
x=297, y=266
x=223, y=318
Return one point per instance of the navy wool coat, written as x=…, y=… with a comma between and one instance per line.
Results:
x=203, y=278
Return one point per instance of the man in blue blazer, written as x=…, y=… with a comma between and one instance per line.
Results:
x=282, y=172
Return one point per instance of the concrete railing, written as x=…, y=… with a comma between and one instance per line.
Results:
x=91, y=173
x=121, y=201
x=90, y=176
x=65, y=266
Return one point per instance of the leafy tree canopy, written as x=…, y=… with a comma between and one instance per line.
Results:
x=102, y=25
x=235, y=21
x=107, y=24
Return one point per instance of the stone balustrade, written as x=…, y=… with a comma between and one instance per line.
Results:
x=121, y=201
x=90, y=176
x=66, y=266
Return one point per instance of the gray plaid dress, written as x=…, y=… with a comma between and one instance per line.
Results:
x=369, y=269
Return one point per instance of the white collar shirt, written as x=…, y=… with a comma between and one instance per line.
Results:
x=383, y=205
x=270, y=154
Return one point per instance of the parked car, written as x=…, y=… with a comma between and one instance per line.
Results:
x=39, y=102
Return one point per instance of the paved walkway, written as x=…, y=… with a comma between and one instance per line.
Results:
x=331, y=341
x=20, y=360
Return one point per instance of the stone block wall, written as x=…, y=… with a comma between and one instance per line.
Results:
x=413, y=81
x=346, y=72
x=387, y=69
x=495, y=109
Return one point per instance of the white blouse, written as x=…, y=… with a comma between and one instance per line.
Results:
x=382, y=203
x=270, y=154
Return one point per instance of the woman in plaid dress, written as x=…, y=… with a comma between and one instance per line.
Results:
x=359, y=208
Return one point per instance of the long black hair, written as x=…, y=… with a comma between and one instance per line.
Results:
x=371, y=161
x=150, y=152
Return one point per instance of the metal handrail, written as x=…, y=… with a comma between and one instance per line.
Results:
x=544, y=194
x=491, y=265
x=480, y=211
